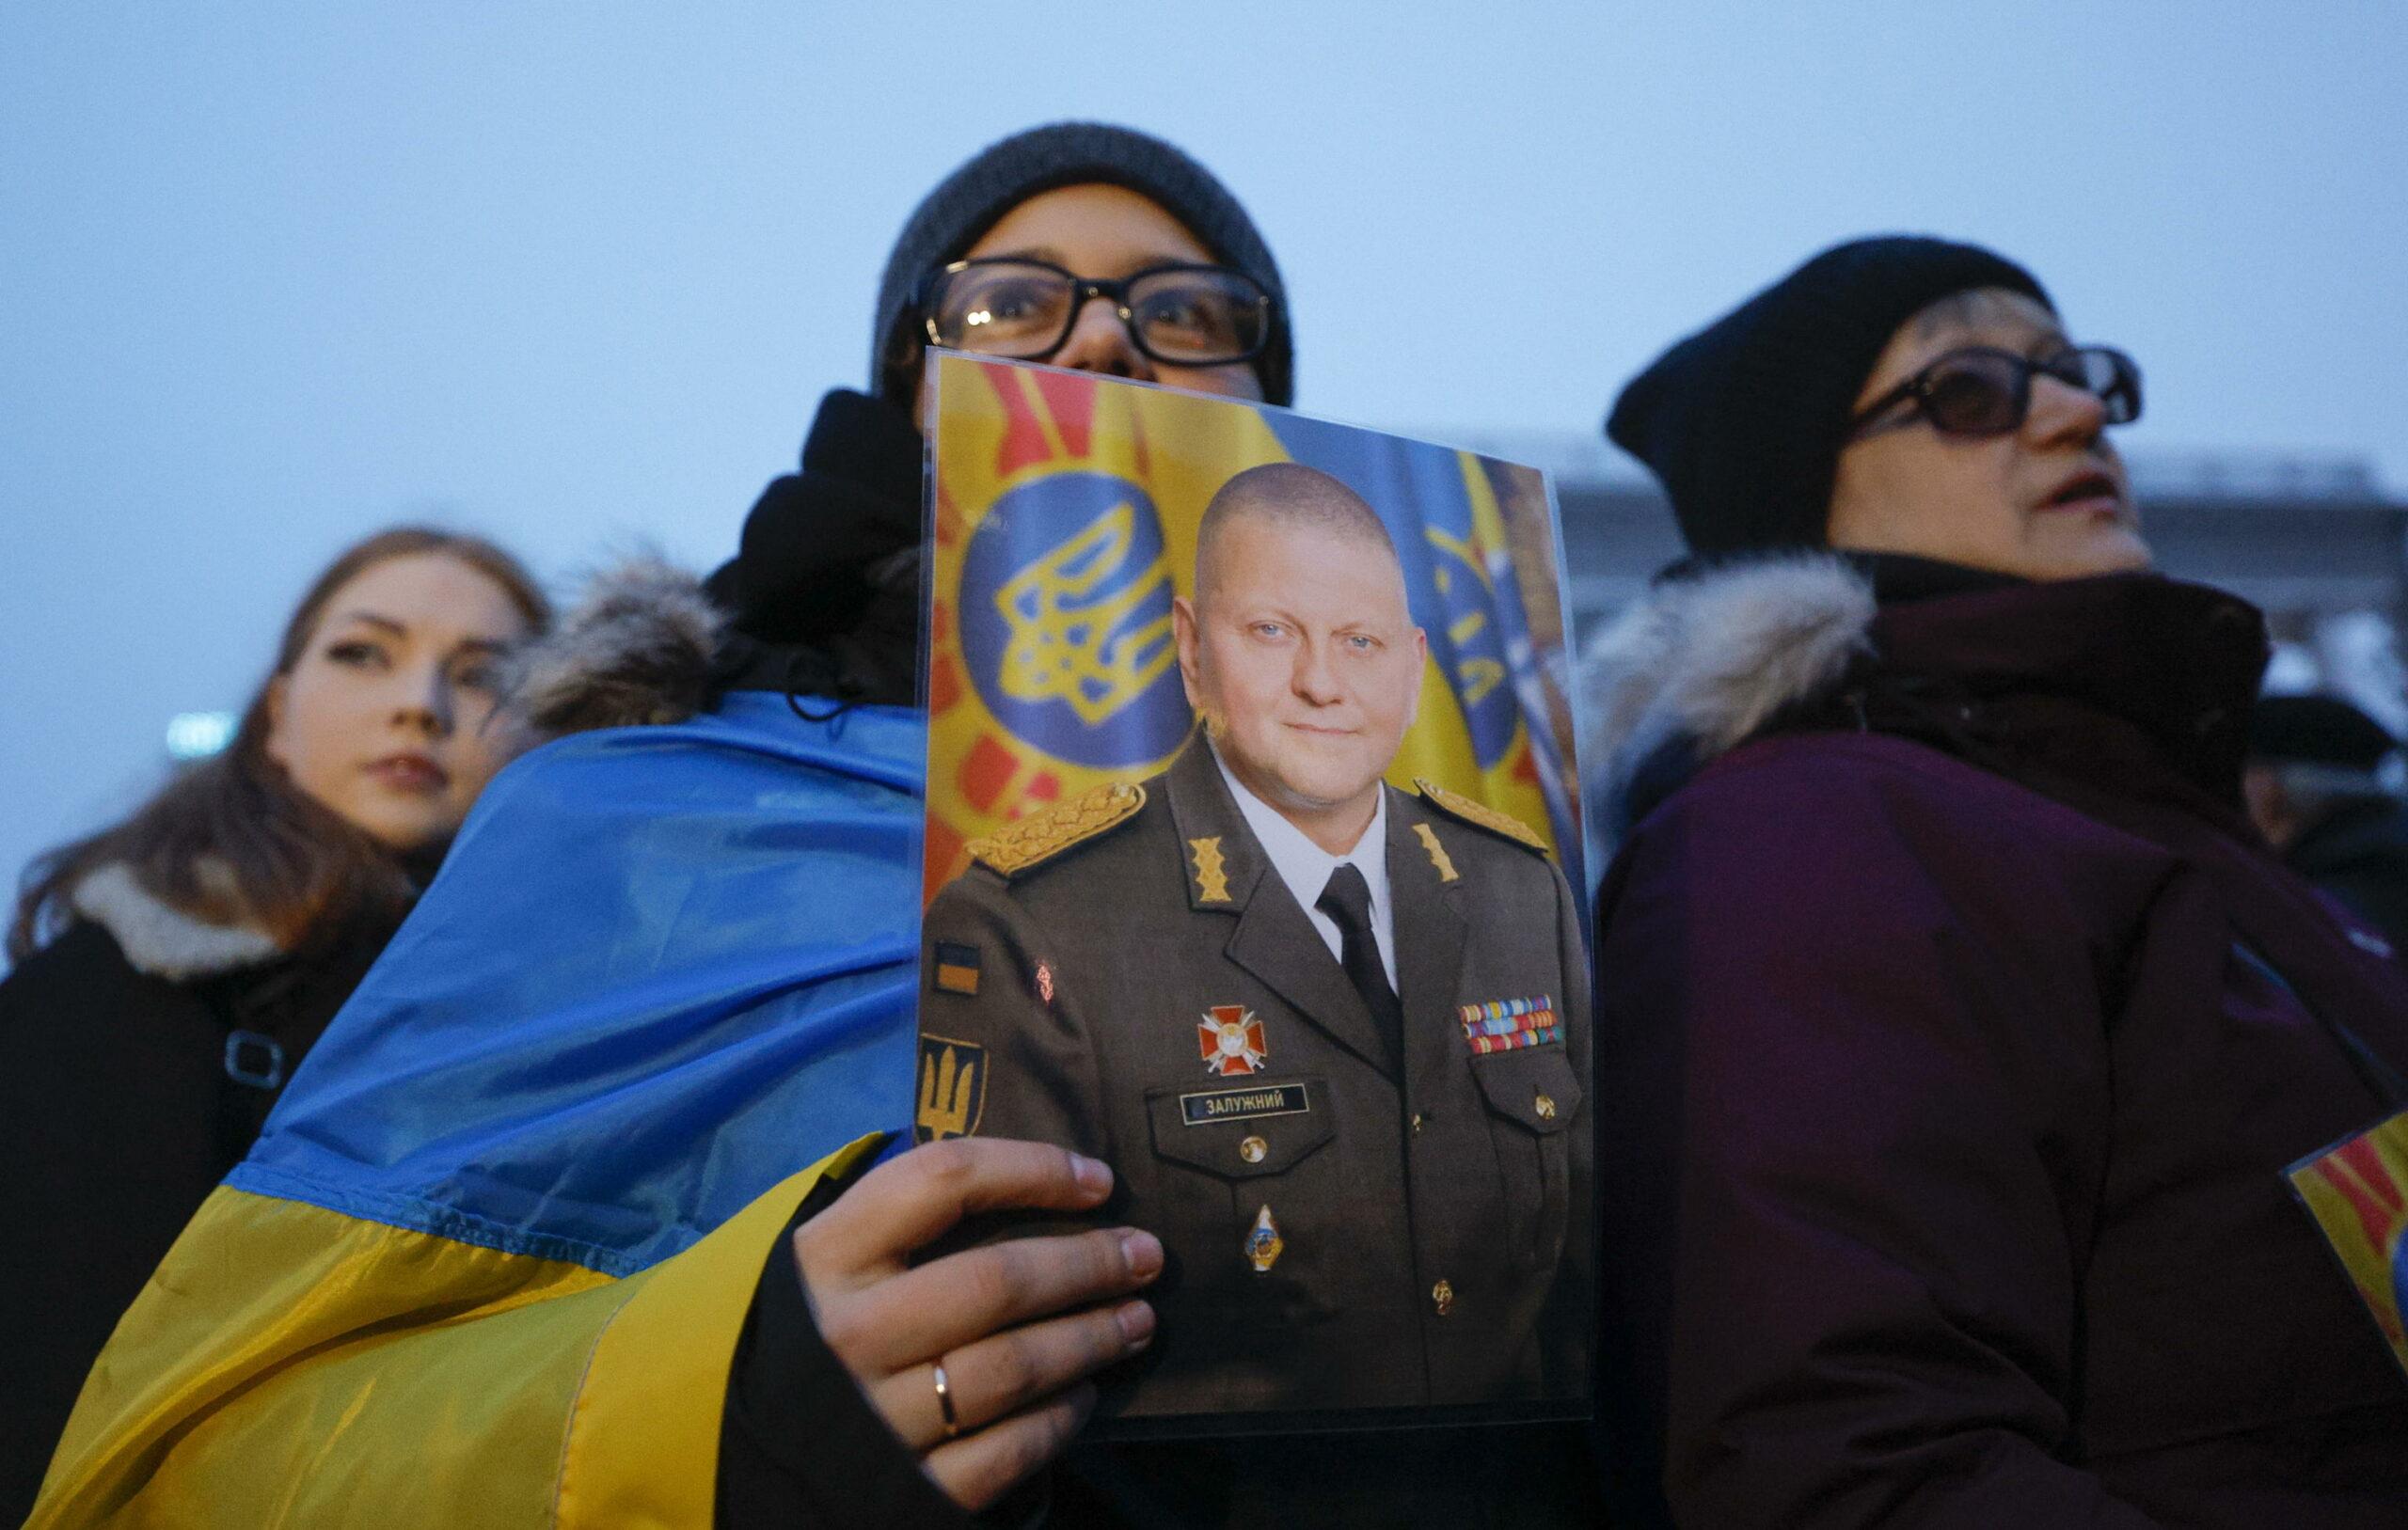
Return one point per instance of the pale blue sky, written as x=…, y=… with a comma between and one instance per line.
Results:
x=575, y=274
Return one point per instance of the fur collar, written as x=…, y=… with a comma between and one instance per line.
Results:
x=1700, y=663
x=160, y=938
x=637, y=648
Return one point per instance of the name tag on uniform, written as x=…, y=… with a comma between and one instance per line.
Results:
x=1243, y=1104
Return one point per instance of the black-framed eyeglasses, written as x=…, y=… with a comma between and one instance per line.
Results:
x=1180, y=315
x=1982, y=390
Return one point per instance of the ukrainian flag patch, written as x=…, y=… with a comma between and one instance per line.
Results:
x=956, y=969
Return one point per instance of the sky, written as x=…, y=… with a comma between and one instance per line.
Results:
x=273, y=275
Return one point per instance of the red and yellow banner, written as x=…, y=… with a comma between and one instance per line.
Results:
x=1066, y=508
x=2358, y=1193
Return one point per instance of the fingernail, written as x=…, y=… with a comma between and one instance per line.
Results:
x=1136, y=1320
x=1142, y=1251
x=1091, y=1173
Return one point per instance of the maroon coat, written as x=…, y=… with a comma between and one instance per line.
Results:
x=1956, y=1034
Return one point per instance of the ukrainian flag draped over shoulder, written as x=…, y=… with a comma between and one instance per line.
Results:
x=487, y=1264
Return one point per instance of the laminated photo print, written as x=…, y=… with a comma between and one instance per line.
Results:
x=1251, y=856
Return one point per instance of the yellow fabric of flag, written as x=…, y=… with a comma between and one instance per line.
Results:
x=290, y=1366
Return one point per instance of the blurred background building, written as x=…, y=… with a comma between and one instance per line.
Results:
x=2314, y=542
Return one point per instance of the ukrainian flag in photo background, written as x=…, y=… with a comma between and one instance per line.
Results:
x=1066, y=508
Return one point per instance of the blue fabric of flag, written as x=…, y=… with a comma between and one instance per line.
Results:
x=662, y=968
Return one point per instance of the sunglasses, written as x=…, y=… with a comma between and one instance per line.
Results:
x=1981, y=390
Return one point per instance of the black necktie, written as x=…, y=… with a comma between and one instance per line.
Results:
x=1347, y=900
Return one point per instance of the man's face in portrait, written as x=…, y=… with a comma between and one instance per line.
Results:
x=1301, y=655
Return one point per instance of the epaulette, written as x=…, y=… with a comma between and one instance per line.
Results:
x=1039, y=837
x=1481, y=816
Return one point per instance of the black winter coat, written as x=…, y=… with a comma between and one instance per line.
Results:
x=1960, y=1033
x=119, y=1111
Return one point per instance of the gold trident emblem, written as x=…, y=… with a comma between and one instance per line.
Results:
x=948, y=1091
x=1070, y=643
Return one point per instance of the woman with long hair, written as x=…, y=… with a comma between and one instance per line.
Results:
x=172, y=969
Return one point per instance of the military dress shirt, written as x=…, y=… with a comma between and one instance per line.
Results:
x=1306, y=867
x=1125, y=974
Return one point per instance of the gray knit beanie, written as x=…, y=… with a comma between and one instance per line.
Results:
x=976, y=196
x=1744, y=421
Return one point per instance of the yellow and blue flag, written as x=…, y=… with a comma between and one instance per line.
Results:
x=1066, y=508
x=487, y=1263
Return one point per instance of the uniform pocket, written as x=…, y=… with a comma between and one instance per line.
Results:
x=1532, y=1098
x=1244, y=1150
x=1533, y=1087
x=1241, y=1132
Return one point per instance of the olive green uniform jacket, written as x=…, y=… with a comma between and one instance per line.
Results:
x=1336, y=1236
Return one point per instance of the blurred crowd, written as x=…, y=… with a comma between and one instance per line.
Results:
x=1978, y=963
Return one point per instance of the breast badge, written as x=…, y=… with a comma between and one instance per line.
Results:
x=1231, y=1040
x=953, y=1088
x=1263, y=1244
x=1502, y=1024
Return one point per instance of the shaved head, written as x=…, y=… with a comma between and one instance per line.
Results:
x=1298, y=649
x=1292, y=496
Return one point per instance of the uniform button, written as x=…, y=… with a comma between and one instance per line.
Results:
x=1417, y=1123
x=1442, y=1296
x=1253, y=1149
x=1545, y=1105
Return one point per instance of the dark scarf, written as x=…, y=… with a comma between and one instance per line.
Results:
x=825, y=591
x=2122, y=684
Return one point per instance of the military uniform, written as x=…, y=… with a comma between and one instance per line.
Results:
x=1127, y=975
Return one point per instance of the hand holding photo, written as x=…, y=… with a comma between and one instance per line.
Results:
x=1249, y=785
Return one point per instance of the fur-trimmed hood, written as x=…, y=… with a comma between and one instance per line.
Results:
x=161, y=939
x=1700, y=663
x=637, y=648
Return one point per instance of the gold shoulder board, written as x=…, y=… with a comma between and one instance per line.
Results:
x=1481, y=816
x=1042, y=836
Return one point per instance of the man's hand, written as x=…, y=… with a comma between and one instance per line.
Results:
x=1014, y=1372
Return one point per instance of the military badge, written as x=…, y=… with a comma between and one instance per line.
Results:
x=1502, y=1024
x=1231, y=1040
x=953, y=1088
x=957, y=969
x=1263, y=1244
x=1212, y=871
x=1438, y=856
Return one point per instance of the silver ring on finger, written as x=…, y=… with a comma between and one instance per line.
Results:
x=945, y=1400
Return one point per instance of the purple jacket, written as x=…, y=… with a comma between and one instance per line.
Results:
x=1957, y=1031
